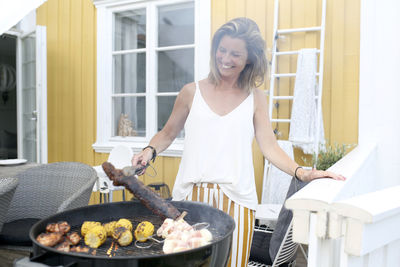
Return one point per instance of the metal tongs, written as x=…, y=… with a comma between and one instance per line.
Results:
x=132, y=171
x=153, y=239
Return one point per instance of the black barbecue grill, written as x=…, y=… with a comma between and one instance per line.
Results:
x=215, y=254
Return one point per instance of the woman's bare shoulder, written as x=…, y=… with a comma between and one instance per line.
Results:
x=186, y=95
x=260, y=98
x=188, y=90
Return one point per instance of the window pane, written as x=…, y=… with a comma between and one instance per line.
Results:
x=165, y=105
x=130, y=73
x=130, y=29
x=175, y=69
x=176, y=24
x=129, y=115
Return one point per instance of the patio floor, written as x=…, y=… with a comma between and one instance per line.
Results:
x=7, y=257
x=300, y=260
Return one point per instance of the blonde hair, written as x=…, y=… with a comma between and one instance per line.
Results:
x=247, y=30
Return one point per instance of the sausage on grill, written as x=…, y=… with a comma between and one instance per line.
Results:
x=150, y=199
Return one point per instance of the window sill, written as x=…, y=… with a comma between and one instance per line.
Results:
x=174, y=150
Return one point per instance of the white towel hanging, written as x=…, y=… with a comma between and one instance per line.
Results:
x=303, y=125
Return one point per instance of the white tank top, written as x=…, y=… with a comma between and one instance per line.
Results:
x=218, y=149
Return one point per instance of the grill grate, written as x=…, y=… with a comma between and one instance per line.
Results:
x=132, y=250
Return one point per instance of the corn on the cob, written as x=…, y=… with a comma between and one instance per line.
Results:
x=124, y=223
x=87, y=225
x=143, y=231
x=95, y=236
x=123, y=236
x=110, y=226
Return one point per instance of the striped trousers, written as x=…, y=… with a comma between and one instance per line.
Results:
x=244, y=219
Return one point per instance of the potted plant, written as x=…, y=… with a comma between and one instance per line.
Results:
x=328, y=156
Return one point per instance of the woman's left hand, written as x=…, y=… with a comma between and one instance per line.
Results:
x=308, y=175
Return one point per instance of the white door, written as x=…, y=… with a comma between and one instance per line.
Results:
x=32, y=96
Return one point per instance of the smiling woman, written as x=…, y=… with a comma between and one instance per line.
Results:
x=221, y=116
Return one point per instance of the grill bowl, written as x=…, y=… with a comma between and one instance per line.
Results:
x=214, y=254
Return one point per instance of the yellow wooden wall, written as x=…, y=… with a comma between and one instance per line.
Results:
x=341, y=68
x=71, y=78
x=71, y=46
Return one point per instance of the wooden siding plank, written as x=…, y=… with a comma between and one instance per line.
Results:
x=351, y=70
x=53, y=78
x=337, y=112
x=76, y=77
x=170, y=171
x=66, y=100
x=218, y=14
x=235, y=8
x=88, y=83
x=327, y=83
x=312, y=17
x=41, y=15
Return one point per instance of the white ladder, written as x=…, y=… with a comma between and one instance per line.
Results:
x=274, y=75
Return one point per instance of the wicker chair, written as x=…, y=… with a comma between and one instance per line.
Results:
x=7, y=190
x=45, y=190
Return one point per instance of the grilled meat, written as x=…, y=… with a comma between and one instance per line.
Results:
x=170, y=226
x=74, y=238
x=62, y=227
x=151, y=200
x=80, y=249
x=64, y=246
x=184, y=240
x=49, y=239
x=180, y=236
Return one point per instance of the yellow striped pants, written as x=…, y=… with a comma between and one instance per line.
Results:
x=244, y=219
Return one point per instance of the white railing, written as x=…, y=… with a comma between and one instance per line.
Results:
x=324, y=210
x=370, y=229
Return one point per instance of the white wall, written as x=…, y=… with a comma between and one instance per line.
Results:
x=379, y=106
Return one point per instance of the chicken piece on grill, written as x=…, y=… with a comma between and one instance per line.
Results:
x=74, y=238
x=62, y=227
x=181, y=241
x=64, y=246
x=49, y=239
x=79, y=249
x=170, y=226
x=180, y=236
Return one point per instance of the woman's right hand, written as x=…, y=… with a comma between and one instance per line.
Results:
x=141, y=159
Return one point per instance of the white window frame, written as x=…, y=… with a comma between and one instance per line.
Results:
x=202, y=38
